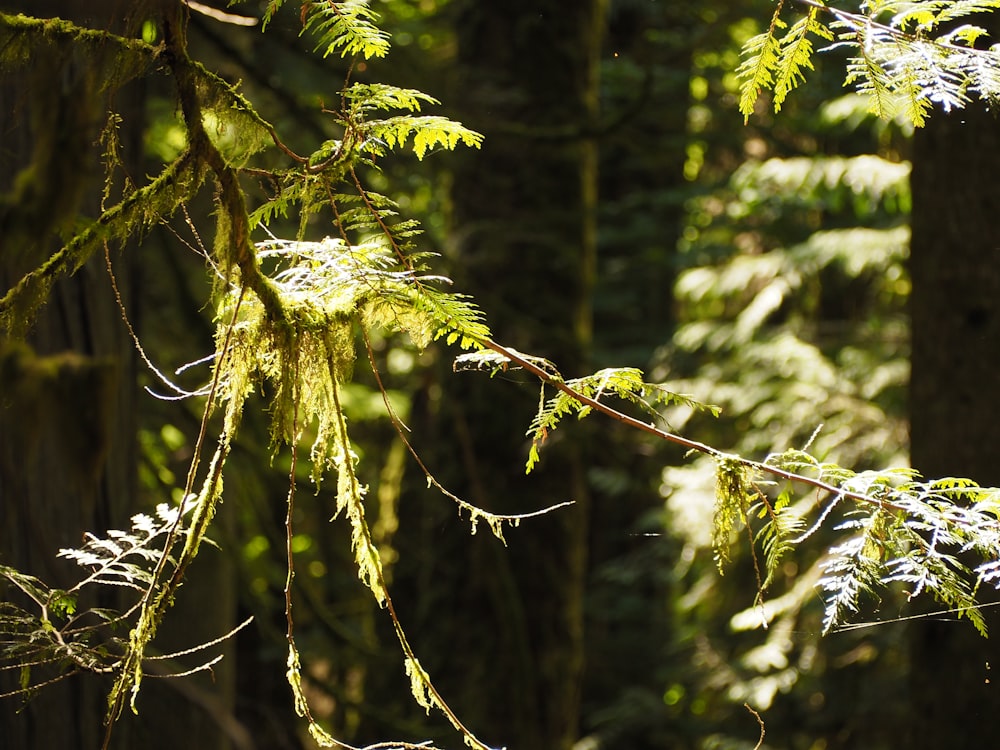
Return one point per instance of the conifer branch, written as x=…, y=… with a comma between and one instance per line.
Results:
x=559, y=384
x=875, y=497
x=899, y=65
x=905, y=531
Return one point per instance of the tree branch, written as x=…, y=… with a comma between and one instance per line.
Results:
x=556, y=382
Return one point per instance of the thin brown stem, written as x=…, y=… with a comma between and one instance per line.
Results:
x=651, y=429
x=401, y=429
x=290, y=512
x=760, y=721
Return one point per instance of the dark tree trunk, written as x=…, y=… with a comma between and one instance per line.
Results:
x=955, y=396
x=67, y=424
x=69, y=394
x=525, y=244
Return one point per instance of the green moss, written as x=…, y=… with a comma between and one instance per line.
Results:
x=114, y=60
x=132, y=216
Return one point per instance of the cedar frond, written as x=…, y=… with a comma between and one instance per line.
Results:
x=346, y=27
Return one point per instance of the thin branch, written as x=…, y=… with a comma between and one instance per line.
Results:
x=693, y=445
x=401, y=430
x=207, y=666
x=38, y=686
x=760, y=721
x=203, y=646
x=220, y=15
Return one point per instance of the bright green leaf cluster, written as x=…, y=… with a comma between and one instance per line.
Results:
x=898, y=530
x=777, y=63
x=625, y=383
x=347, y=27
x=907, y=57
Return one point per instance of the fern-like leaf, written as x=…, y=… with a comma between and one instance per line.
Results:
x=796, y=55
x=625, y=383
x=761, y=61
x=427, y=133
x=853, y=569
x=346, y=27
x=125, y=559
x=958, y=9
x=777, y=536
x=872, y=80
x=370, y=97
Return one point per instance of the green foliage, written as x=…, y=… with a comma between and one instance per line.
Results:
x=50, y=636
x=762, y=53
x=375, y=97
x=900, y=531
x=733, y=492
x=427, y=133
x=348, y=27
x=790, y=305
x=291, y=313
x=324, y=290
x=125, y=559
x=906, y=57
x=625, y=383
x=379, y=136
x=288, y=317
x=777, y=64
x=777, y=536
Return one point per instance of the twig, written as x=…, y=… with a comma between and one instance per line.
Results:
x=760, y=721
x=473, y=510
x=557, y=383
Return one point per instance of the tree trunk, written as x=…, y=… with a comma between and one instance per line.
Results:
x=67, y=426
x=69, y=394
x=525, y=249
x=955, y=396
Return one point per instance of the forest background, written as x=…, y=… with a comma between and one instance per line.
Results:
x=618, y=213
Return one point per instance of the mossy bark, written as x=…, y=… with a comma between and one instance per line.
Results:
x=67, y=417
x=69, y=394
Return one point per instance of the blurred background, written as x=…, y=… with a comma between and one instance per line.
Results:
x=620, y=213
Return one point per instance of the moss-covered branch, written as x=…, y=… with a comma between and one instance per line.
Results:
x=132, y=216
x=117, y=59
x=233, y=246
